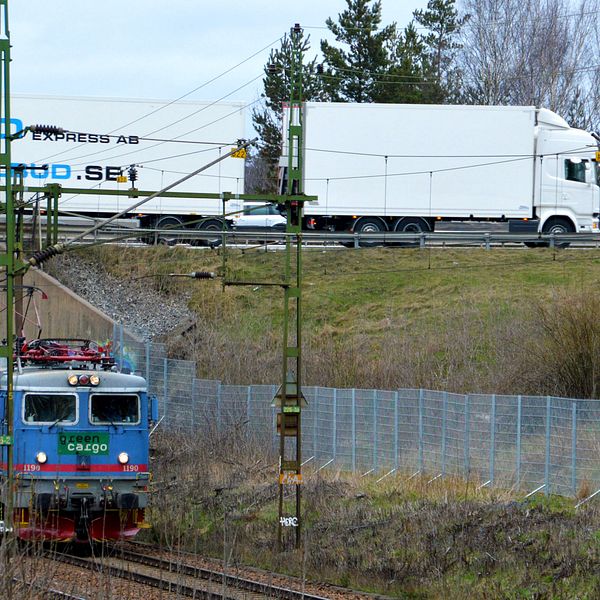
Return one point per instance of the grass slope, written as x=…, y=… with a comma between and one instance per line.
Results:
x=458, y=319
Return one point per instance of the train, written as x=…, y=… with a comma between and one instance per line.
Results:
x=80, y=439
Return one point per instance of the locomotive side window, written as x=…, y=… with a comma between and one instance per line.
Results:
x=50, y=408
x=114, y=408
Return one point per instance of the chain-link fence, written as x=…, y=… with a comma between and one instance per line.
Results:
x=524, y=442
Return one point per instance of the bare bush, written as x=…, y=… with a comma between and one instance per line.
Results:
x=566, y=361
x=527, y=52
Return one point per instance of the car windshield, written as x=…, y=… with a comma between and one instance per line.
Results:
x=114, y=408
x=50, y=408
x=257, y=210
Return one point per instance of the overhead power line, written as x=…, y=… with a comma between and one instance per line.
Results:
x=236, y=111
x=178, y=99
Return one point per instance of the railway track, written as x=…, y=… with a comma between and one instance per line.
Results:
x=181, y=579
x=47, y=594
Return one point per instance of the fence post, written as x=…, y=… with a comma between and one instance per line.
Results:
x=334, y=423
x=374, y=430
x=421, y=433
x=493, y=440
x=120, y=346
x=353, y=430
x=396, y=430
x=148, y=363
x=219, y=407
x=248, y=401
x=274, y=436
x=165, y=386
x=467, y=437
x=519, y=417
x=574, y=447
x=315, y=410
x=547, y=458
x=193, y=405
x=444, y=420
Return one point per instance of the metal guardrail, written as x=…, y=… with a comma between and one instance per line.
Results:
x=127, y=230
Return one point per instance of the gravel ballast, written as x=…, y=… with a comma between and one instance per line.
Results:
x=143, y=311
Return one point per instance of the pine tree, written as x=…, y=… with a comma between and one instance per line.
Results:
x=267, y=119
x=404, y=81
x=443, y=25
x=352, y=76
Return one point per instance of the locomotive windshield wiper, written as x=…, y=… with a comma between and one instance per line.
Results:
x=63, y=416
x=107, y=418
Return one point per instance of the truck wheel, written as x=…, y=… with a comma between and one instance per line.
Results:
x=412, y=225
x=558, y=225
x=368, y=225
x=166, y=223
x=210, y=225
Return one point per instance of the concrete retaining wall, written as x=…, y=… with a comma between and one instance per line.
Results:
x=64, y=314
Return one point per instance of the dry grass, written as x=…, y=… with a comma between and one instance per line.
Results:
x=405, y=537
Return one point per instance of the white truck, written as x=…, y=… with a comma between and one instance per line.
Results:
x=103, y=137
x=396, y=167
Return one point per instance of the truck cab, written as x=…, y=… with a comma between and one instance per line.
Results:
x=566, y=187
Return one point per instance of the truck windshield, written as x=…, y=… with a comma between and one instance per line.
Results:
x=575, y=170
x=596, y=168
x=50, y=408
x=109, y=409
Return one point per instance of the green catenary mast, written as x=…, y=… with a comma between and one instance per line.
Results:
x=8, y=265
x=289, y=396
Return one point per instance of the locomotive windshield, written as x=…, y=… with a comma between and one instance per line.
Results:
x=50, y=408
x=114, y=408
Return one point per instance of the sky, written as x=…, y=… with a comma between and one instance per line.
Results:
x=158, y=49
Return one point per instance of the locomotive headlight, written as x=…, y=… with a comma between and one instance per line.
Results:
x=73, y=379
x=123, y=458
x=94, y=379
x=41, y=457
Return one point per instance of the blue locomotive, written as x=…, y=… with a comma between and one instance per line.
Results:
x=81, y=444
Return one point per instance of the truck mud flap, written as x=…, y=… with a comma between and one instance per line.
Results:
x=520, y=226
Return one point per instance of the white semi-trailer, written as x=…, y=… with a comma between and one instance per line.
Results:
x=103, y=137
x=391, y=167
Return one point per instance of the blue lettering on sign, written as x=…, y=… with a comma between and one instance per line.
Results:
x=54, y=171
x=57, y=174
x=15, y=125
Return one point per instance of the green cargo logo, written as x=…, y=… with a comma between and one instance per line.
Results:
x=86, y=444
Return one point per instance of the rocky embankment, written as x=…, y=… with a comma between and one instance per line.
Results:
x=142, y=310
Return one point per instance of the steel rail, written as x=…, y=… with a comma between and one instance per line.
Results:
x=233, y=581
x=157, y=582
x=231, y=584
x=50, y=593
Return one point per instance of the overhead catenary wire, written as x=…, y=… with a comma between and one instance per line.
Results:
x=178, y=99
x=490, y=23
x=516, y=158
x=553, y=257
x=389, y=155
x=422, y=172
x=39, y=257
x=136, y=151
